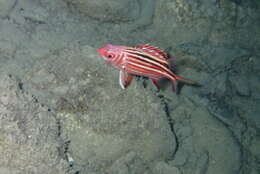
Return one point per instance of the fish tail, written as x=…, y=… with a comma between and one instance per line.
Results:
x=174, y=84
x=186, y=81
x=181, y=79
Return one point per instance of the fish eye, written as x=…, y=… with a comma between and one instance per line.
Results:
x=109, y=56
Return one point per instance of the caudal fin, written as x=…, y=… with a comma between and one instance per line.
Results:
x=186, y=81
x=182, y=80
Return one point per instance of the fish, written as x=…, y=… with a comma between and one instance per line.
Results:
x=141, y=60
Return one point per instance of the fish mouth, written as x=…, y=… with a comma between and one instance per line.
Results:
x=101, y=51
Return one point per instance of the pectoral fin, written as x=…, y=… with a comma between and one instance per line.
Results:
x=125, y=79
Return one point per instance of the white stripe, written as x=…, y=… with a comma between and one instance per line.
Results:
x=161, y=59
x=149, y=60
x=151, y=69
x=118, y=58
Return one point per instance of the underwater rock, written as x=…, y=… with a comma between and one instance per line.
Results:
x=164, y=168
x=109, y=10
x=219, y=22
x=178, y=19
x=101, y=121
x=29, y=133
x=241, y=85
x=7, y=51
x=202, y=163
x=146, y=15
x=33, y=13
x=209, y=146
x=5, y=7
x=218, y=141
x=254, y=147
x=131, y=163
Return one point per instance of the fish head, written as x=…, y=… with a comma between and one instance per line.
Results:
x=110, y=52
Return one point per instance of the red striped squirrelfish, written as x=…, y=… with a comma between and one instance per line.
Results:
x=142, y=60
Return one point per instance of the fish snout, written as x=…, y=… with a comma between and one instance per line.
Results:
x=100, y=51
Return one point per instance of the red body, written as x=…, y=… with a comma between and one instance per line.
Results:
x=143, y=60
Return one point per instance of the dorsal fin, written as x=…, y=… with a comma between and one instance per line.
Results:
x=153, y=50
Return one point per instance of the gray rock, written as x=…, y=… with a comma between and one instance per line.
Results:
x=254, y=147
x=5, y=7
x=254, y=171
x=164, y=168
x=131, y=163
x=146, y=15
x=7, y=51
x=241, y=84
x=181, y=157
x=202, y=163
x=110, y=10
x=29, y=133
x=254, y=82
x=220, y=22
x=35, y=14
x=209, y=136
x=222, y=58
